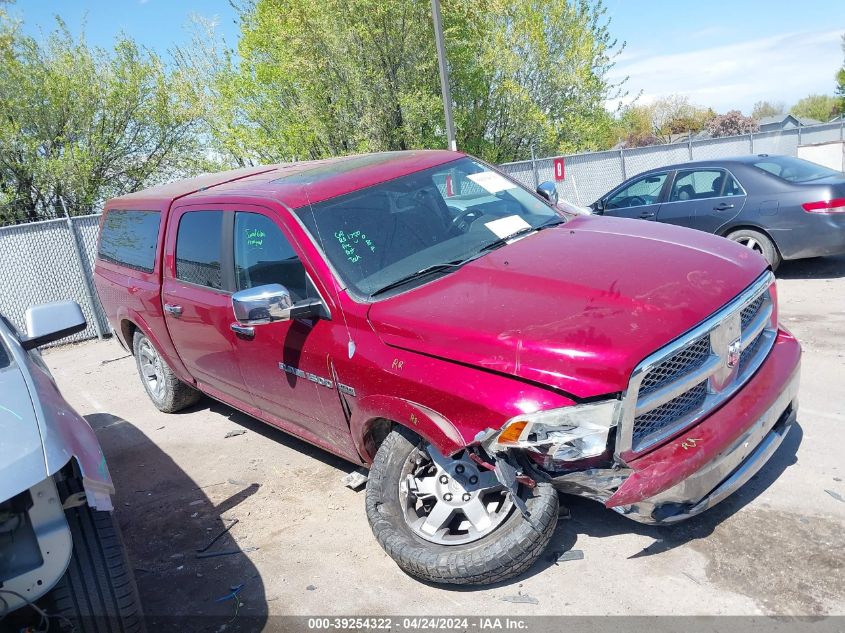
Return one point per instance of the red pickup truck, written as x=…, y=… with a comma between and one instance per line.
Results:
x=479, y=349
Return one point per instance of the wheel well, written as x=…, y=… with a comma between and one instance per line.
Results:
x=748, y=227
x=127, y=330
x=376, y=431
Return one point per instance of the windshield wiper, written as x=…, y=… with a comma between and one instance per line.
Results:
x=528, y=229
x=457, y=263
x=423, y=272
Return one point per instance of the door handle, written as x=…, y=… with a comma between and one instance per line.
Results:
x=242, y=330
x=723, y=206
x=173, y=310
x=645, y=215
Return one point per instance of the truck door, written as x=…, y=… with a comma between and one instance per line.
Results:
x=196, y=297
x=702, y=199
x=286, y=364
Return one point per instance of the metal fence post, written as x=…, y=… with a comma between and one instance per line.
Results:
x=534, y=168
x=689, y=143
x=751, y=142
x=86, y=282
x=842, y=127
x=799, y=133
x=622, y=160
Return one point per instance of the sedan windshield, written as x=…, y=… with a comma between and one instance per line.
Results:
x=795, y=169
x=424, y=224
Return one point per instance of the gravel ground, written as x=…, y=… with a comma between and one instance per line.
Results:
x=304, y=547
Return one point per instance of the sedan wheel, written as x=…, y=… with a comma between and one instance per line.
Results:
x=758, y=242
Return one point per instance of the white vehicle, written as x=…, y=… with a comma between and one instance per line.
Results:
x=61, y=556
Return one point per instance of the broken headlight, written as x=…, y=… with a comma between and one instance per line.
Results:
x=563, y=435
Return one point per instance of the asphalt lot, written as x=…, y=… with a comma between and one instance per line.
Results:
x=776, y=547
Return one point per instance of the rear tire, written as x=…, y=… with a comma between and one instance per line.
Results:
x=97, y=594
x=509, y=549
x=168, y=393
x=758, y=242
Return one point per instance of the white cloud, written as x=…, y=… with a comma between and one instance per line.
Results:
x=785, y=67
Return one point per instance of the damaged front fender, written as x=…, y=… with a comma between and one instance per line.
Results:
x=64, y=434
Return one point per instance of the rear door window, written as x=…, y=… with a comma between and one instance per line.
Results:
x=198, y=252
x=697, y=185
x=129, y=238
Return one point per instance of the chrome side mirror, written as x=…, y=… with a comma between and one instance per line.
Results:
x=272, y=302
x=50, y=322
x=548, y=190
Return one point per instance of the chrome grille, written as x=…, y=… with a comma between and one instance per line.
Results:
x=657, y=419
x=678, y=385
x=677, y=365
x=751, y=310
x=750, y=352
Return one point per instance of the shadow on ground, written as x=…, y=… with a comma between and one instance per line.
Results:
x=165, y=517
x=813, y=268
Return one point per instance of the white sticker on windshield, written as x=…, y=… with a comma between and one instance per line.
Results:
x=505, y=227
x=491, y=181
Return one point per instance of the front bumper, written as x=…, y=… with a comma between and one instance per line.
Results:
x=709, y=461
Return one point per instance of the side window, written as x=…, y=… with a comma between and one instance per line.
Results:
x=732, y=187
x=697, y=185
x=5, y=359
x=264, y=256
x=129, y=238
x=645, y=190
x=198, y=248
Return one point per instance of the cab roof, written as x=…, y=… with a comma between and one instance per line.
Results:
x=286, y=183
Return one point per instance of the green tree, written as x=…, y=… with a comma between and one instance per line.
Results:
x=315, y=79
x=763, y=109
x=81, y=124
x=818, y=107
x=662, y=120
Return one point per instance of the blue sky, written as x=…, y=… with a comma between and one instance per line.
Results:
x=721, y=53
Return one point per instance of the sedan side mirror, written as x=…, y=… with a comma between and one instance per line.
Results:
x=51, y=322
x=271, y=302
x=598, y=207
x=548, y=191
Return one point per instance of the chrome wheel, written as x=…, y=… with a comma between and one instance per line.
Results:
x=450, y=501
x=751, y=243
x=152, y=370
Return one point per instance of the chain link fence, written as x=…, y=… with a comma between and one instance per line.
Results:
x=589, y=176
x=53, y=260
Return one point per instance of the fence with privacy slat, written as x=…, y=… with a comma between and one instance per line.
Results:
x=589, y=176
x=53, y=260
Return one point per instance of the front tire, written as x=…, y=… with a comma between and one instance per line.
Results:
x=458, y=544
x=97, y=594
x=168, y=393
x=759, y=243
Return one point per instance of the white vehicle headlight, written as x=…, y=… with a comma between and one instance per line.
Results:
x=566, y=434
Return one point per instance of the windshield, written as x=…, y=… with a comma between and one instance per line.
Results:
x=378, y=236
x=794, y=169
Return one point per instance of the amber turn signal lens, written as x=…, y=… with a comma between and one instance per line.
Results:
x=512, y=432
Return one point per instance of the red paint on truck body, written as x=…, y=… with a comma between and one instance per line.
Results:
x=550, y=320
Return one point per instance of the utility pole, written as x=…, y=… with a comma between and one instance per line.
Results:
x=444, y=74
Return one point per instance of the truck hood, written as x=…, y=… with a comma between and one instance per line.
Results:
x=575, y=307
x=22, y=462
